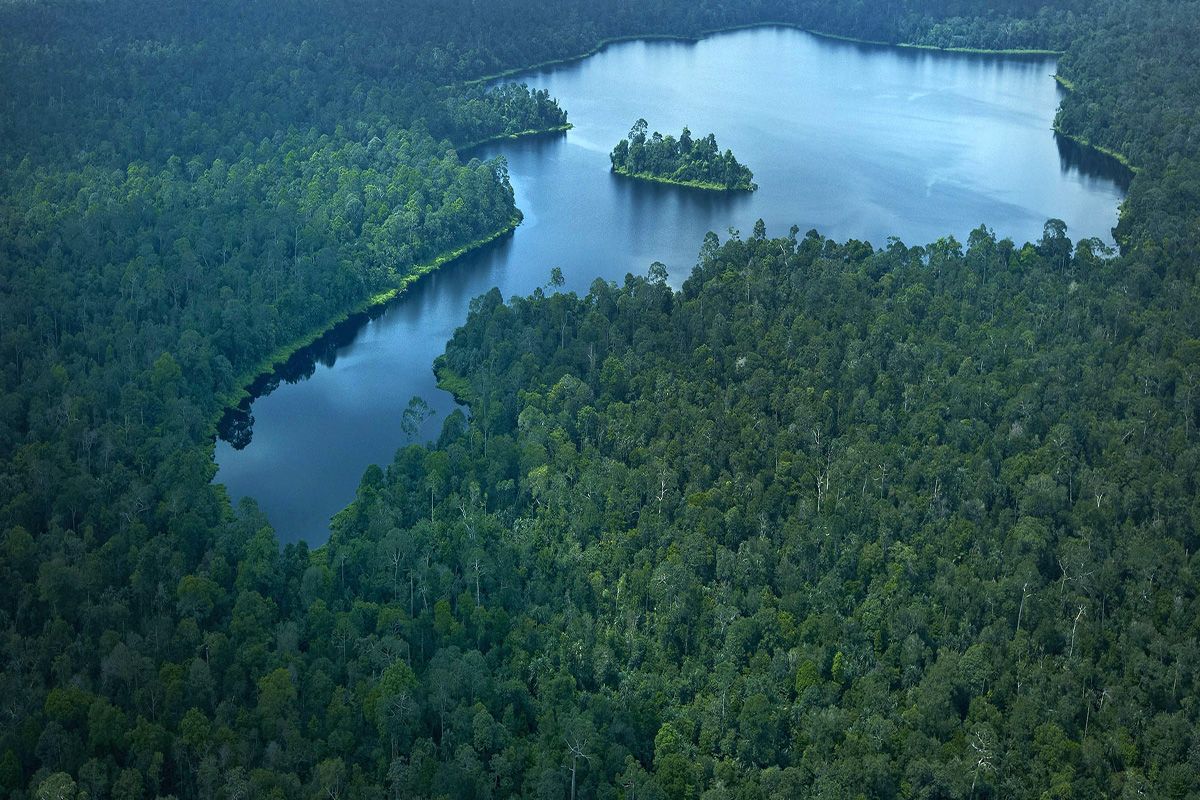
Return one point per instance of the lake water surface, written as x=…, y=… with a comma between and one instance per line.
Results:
x=856, y=141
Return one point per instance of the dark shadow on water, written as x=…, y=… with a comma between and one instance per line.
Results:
x=648, y=201
x=649, y=204
x=645, y=196
x=237, y=424
x=457, y=281
x=1092, y=164
x=532, y=76
x=535, y=142
x=920, y=54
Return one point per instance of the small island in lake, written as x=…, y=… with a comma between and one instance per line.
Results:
x=685, y=161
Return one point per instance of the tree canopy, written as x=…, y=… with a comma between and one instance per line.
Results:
x=834, y=519
x=684, y=161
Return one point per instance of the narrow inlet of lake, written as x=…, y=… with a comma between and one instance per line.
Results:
x=857, y=141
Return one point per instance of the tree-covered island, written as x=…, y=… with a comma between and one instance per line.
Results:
x=685, y=161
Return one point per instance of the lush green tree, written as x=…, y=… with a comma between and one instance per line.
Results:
x=698, y=163
x=918, y=520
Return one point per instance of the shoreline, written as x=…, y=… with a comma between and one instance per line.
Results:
x=1065, y=83
x=555, y=62
x=982, y=51
x=1083, y=142
x=704, y=34
x=507, y=137
x=450, y=381
x=710, y=187
x=281, y=355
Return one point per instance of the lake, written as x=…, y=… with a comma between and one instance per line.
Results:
x=857, y=141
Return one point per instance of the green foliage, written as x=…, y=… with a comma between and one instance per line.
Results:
x=686, y=161
x=829, y=521
x=799, y=547
x=58, y=786
x=477, y=115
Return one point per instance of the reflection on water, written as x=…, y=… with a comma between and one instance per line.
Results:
x=1089, y=164
x=857, y=141
x=236, y=427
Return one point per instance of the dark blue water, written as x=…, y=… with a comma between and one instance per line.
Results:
x=855, y=141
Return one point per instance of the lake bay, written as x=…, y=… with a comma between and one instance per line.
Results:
x=857, y=141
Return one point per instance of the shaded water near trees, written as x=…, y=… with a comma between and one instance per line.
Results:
x=857, y=141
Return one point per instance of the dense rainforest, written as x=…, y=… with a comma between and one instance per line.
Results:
x=835, y=519
x=685, y=161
